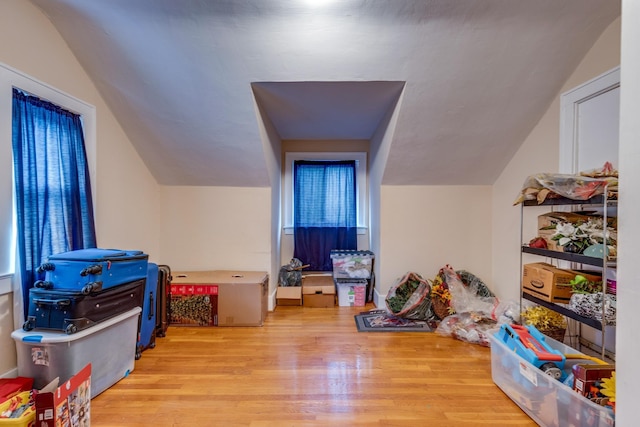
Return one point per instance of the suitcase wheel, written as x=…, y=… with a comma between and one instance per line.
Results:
x=43, y=285
x=86, y=290
x=138, y=352
x=47, y=266
x=71, y=329
x=28, y=325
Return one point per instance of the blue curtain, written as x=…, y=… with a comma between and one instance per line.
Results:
x=324, y=210
x=53, y=192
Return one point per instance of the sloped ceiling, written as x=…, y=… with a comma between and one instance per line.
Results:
x=183, y=76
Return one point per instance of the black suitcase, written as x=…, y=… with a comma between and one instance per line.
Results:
x=70, y=311
x=163, y=300
x=92, y=270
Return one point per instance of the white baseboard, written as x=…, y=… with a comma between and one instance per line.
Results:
x=10, y=374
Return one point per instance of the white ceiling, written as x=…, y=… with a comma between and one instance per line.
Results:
x=183, y=77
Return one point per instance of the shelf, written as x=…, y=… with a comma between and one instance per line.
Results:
x=568, y=256
x=596, y=200
x=596, y=324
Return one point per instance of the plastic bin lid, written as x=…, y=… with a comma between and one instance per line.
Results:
x=46, y=336
x=342, y=252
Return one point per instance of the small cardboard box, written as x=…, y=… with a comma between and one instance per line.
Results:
x=586, y=375
x=318, y=290
x=550, y=283
x=289, y=295
x=68, y=405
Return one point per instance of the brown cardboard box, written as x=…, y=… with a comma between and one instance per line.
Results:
x=289, y=295
x=318, y=291
x=550, y=283
x=242, y=295
x=548, y=221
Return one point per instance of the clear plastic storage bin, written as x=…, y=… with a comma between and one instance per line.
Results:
x=351, y=264
x=546, y=400
x=110, y=347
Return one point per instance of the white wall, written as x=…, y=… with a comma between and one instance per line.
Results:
x=627, y=343
x=423, y=228
x=216, y=228
x=127, y=197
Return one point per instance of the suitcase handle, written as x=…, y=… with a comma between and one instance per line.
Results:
x=47, y=266
x=56, y=302
x=91, y=287
x=152, y=306
x=92, y=269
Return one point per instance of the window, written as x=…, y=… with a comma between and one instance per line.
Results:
x=361, y=184
x=10, y=78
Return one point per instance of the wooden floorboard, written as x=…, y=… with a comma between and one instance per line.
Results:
x=307, y=367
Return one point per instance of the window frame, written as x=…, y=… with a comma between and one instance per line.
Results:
x=361, y=184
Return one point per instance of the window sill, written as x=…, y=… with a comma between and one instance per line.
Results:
x=5, y=284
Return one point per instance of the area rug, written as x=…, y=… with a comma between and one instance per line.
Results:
x=382, y=321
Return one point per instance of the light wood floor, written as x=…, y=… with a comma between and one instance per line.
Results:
x=307, y=367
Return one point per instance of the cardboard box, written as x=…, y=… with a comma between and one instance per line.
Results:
x=547, y=225
x=68, y=405
x=548, y=221
x=242, y=295
x=318, y=290
x=16, y=403
x=289, y=295
x=586, y=375
x=550, y=283
x=352, y=293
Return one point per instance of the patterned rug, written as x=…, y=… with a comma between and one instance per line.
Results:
x=382, y=321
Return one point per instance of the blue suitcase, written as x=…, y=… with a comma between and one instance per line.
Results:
x=147, y=329
x=92, y=270
x=73, y=311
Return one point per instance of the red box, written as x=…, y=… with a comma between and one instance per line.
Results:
x=194, y=304
x=69, y=404
x=586, y=376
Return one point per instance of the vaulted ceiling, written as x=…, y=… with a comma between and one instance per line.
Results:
x=183, y=77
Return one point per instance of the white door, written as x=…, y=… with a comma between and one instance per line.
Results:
x=589, y=124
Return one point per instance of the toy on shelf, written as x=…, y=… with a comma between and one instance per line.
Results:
x=528, y=343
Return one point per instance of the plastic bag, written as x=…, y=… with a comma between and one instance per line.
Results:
x=410, y=298
x=576, y=187
x=465, y=299
x=291, y=274
x=590, y=305
x=471, y=327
